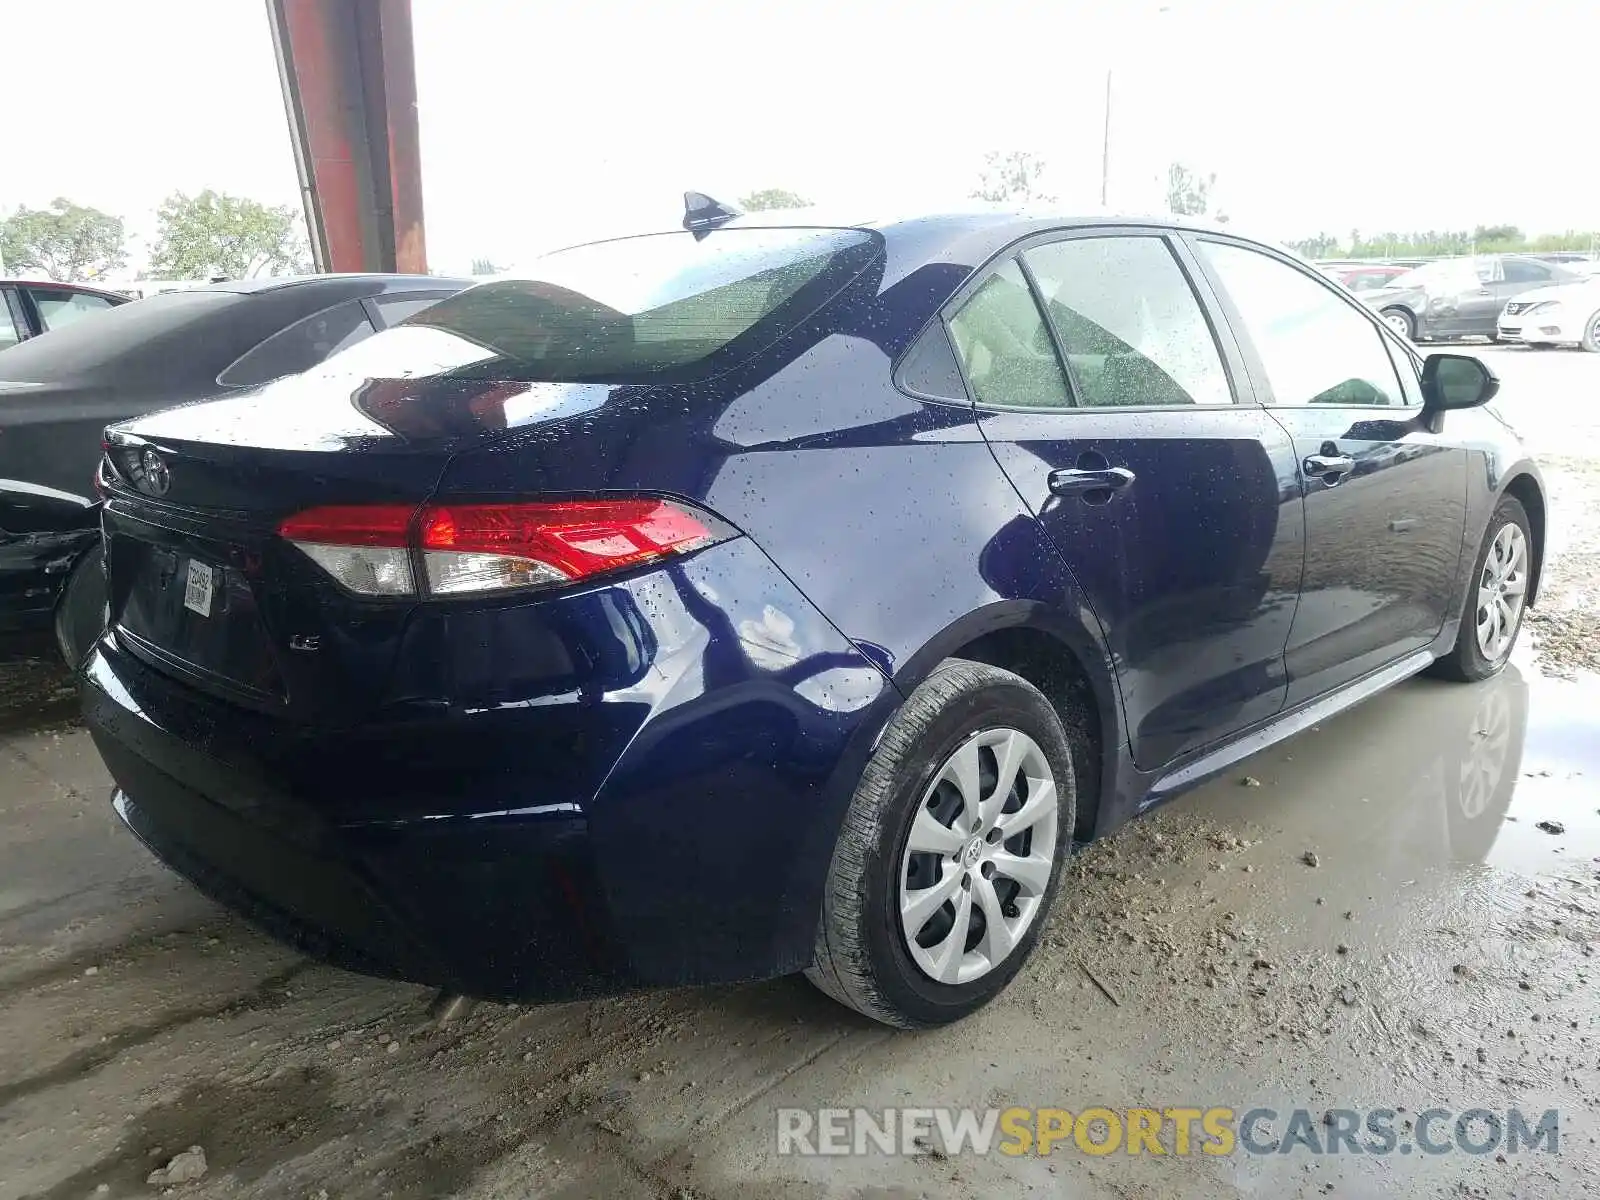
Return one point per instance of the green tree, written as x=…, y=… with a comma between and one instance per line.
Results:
x=1011, y=176
x=1323, y=245
x=66, y=241
x=1188, y=192
x=771, y=198
x=217, y=234
x=485, y=266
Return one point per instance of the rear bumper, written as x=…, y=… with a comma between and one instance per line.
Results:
x=694, y=851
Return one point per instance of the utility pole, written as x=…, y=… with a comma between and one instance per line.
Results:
x=1105, y=149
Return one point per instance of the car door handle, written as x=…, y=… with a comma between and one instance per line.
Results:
x=1329, y=464
x=1075, y=482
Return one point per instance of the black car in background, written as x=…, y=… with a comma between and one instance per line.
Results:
x=1460, y=297
x=58, y=393
x=29, y=307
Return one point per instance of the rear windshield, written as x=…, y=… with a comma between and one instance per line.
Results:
x=663, y=307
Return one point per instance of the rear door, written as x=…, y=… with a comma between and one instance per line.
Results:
x=1172, y=498
x=1385, y=498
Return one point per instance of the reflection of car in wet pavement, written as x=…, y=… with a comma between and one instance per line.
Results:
x=57, y=393
x=724, y=603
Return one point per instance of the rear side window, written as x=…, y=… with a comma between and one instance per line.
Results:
x=659, y=308
x=301, y=346
x=1521, y=271
x=1005, y=347
x=1315, y=347
x=402, y=306
x=10, y=335
x=59, y=309
x=1130, y=325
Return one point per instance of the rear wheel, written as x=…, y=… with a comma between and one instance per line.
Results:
x=951, y=851
x=1401, y=321
x=1496, y=597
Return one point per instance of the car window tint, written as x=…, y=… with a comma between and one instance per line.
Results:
x=301, y=346
x=1315, y=346
x=396, y=308
x=60, y=309
x=9, y=335
x=1129, y=323
x=1521, y=271
x=662, y=308
x=1005, y=347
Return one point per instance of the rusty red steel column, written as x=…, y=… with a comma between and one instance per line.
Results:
x=350, y=91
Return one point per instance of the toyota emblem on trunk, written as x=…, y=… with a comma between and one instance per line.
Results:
x=157, y=476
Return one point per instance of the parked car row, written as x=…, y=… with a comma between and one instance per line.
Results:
x=59, y=392
x=1461, y=297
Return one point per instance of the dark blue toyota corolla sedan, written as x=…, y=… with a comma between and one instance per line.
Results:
x=757, y=598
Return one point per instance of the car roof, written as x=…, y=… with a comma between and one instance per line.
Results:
x=381, y=282
x=965, y=236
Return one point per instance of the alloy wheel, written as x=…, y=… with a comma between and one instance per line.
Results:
x=1483, y=769
x=1398, y=323
x=1502, y=589
x=979, y=856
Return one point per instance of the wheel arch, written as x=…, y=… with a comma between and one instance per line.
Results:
x=1527, y=490
x=1065, y=660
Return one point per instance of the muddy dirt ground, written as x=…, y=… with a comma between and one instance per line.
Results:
x=1440, y=952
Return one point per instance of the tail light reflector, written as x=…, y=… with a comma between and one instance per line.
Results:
x=470, y=549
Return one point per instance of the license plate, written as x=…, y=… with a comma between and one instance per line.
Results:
x=197, y=591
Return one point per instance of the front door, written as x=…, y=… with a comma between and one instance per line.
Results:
x=1176, y=507
x=1385, y=499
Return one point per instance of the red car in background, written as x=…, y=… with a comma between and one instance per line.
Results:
x=1367, y=276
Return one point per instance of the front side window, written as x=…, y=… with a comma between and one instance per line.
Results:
x=58, y=309
x=1004, y=345
x=1130, y=325
x=301, y=346
x=1315, y=347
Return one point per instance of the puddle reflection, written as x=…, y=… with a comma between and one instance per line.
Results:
x=1436, y=773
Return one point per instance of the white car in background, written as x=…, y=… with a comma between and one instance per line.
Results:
x=1565, y=315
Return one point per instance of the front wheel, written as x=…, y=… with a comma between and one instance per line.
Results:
x=1497, y=594
x=951, y=850
x=1591, y=335
x=1402, y=322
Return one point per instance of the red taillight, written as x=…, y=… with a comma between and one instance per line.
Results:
x=476, y=548
x=352, y=525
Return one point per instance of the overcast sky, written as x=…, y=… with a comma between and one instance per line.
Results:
x=544, y=123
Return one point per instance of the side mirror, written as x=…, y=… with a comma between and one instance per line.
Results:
x=1456, y=381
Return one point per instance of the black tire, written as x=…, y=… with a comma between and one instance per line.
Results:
x=1465, y=662
x=1398, y=315
x=81, y=611
x=861, y=956
x=1591, y=335
x=1494, y=338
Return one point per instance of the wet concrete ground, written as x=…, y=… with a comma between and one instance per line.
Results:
x=136, y=1019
